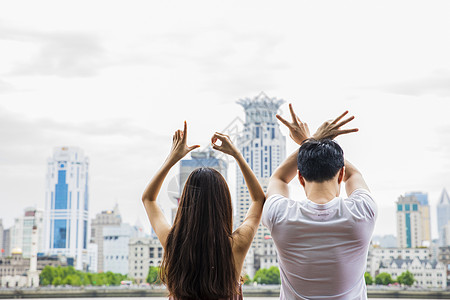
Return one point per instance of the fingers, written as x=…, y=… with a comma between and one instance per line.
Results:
x=193, y=147
x=283, y=121
x=184, y=132
x=340, y=117
x=346, y=131
x=294, y=117
x=345, y=121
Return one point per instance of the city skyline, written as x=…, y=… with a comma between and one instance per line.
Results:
x=119, y=90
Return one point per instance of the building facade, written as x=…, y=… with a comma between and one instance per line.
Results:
x=115, y=243
x=264, y=148
x=104, y=219
x=6, y=246
x=424, y=210
x=21, y=237
x=409, y=223
x=377, y=257
x=427, y=273
x=67, y=205
x=443, y=218
x=144, y=252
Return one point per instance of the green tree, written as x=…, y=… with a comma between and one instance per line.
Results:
x=153, y=275
x=368, y=278
x=384, y=279
x=247, y=280
x=406, y=278
x=267, y=276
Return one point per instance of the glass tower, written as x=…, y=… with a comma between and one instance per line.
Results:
x=67, y=205
x=443, y=216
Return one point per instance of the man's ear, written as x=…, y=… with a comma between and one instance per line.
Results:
x=301, y=179
x=341, y=175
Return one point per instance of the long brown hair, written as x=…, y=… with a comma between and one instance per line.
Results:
x=198, y=260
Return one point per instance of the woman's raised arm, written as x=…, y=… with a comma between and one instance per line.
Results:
x=154, y=212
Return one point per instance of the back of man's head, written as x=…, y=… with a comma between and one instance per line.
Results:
x=320, y=161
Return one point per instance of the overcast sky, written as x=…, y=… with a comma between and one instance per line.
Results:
x=116, y=78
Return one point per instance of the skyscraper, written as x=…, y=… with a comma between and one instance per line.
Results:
x=264, y=148
x=67, y=205
x=409, y=223
x=443, y=216
x=424, y=210
x=22, y=231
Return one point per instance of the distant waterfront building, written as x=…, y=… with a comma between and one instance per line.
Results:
x=412, y=221
x=21, y=237
x=378, y=257
x=6, y=247
x=67, y=205
x=144, y=252
x=104, y=219
x=443, y=217
x=115, y=243
x=424, y=210
x=264, y=148
x=427, y=273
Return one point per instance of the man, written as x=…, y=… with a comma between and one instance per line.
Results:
x=322, y=242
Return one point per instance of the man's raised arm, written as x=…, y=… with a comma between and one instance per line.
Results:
x=353, y=179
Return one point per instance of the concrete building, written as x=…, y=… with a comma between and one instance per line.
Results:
x=443, y=218
x=427, y=273
x=264, y=147
x=115, y=243
x=424, y=210
x=6, y=246
x=143, y=253
x=378, y=257
x=409, y=223
x=104, y=219
x=14, y=270
x=266, y=256
x=67, y=205
x=21, y=237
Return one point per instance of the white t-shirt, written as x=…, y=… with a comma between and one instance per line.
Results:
x=322, y=248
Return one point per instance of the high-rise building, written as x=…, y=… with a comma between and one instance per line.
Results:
x=106, y=218
x=6, y=250
x=22, y=231
x=67, y=205
x=443, y=216
x=409, y=223
x=424, y=210
x=264, y=148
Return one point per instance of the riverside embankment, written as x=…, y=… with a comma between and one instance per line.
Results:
x=249, y=292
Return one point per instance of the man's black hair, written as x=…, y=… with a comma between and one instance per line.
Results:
x=320, y=161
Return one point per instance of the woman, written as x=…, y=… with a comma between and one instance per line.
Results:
x=203, y=257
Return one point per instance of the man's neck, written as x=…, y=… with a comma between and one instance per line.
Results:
x=322, y=192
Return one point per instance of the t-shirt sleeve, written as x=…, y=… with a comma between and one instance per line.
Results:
x=271, y=210
x=362, y=205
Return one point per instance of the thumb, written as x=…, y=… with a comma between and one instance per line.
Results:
x=193, y=147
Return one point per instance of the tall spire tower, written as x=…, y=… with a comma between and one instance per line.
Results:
x=443, y=217
x=264, y=148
